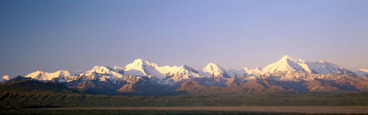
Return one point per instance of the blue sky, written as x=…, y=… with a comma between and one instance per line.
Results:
x=75, y=35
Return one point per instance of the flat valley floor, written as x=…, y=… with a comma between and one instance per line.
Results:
x=205, y=109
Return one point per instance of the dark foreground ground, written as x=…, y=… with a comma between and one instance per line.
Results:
x=139, y=112
x=40, y=99
x=192, y=110
x=16, y=100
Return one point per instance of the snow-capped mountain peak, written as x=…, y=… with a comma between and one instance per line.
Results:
x=212, y=67
x=178, y=73
x=286, y=57
x=285, y=64
x=101, y=69
x=214, y=70
x=40, y=75
x=141, y=67
x=4, y=78
x=324, y=67
x=362, y=72
x=252, y=71
x=106, y=70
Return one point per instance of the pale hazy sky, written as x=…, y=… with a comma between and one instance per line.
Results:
x=75, y=35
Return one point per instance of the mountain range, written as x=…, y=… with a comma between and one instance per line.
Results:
x=287, y=75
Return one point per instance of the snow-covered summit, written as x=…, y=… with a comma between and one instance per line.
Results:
x=178, y=73
x=103, y=73
x=325, y=67
x=175, y=70
x=213, y=69
x=287, y=64
x=4, y=78
x=40, y=75
x=245, y=71
x=103, y=70
x=362, y=72
x=141, y=67
x=252, y=71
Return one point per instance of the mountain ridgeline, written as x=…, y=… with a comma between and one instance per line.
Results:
x=287, y=75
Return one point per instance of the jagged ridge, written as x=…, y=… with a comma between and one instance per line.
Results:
x=285, y=75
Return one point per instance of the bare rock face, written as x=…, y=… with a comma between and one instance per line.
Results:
x=127, y=88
